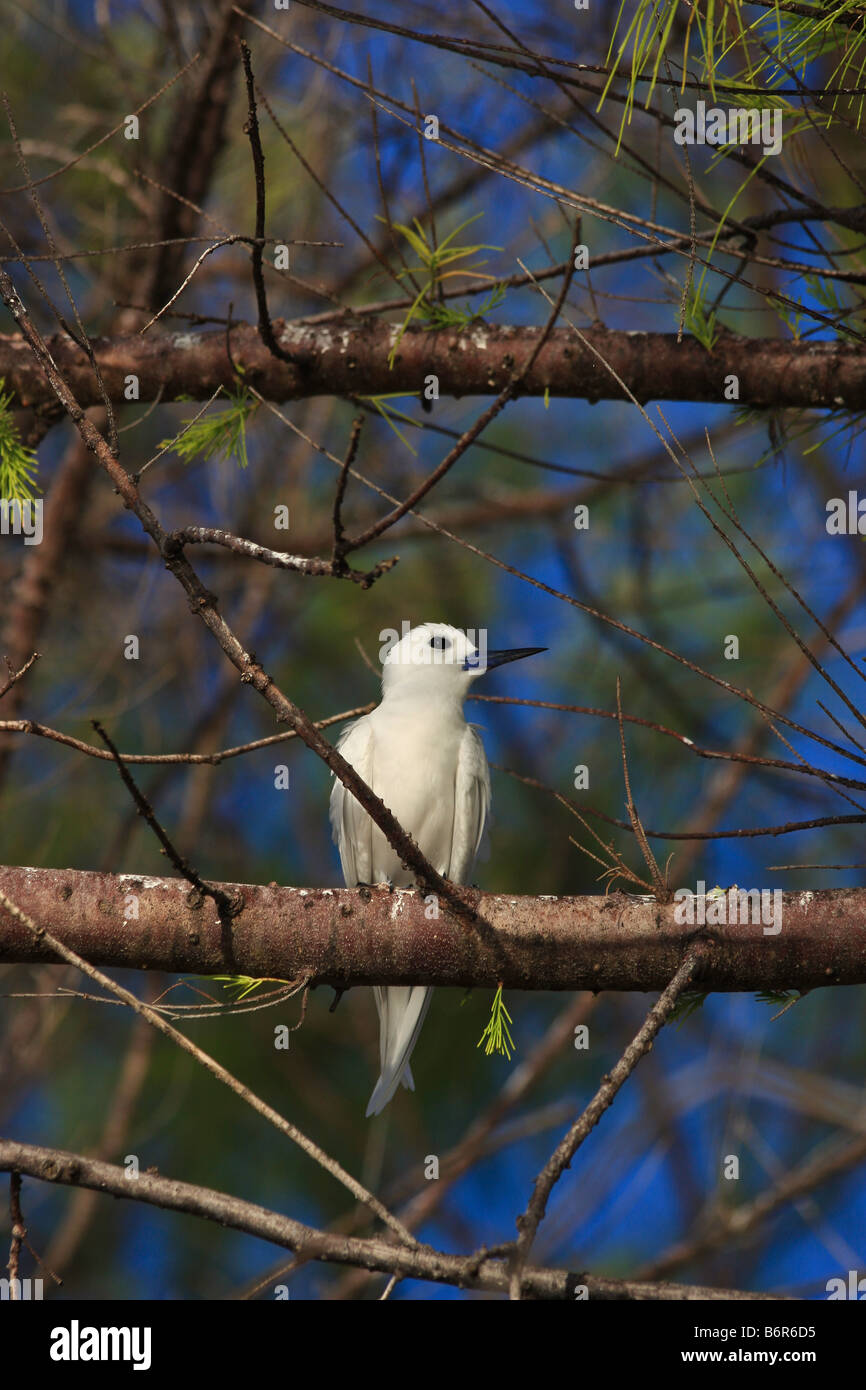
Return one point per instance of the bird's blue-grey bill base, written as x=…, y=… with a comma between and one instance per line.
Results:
x=419, y=755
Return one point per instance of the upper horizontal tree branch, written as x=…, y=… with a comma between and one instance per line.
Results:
x=351, y=358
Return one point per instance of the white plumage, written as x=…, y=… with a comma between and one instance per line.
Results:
x=419, y=755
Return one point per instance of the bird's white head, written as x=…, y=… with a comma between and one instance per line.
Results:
x=437, y=658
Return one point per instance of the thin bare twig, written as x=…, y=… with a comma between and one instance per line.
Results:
x=561, y=1158
x=227, y=907
x=251, y=128
x=15, y=676
x=358, y=1191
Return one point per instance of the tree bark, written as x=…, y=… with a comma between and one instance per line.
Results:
x=343, y=937
x=350, y=357
x=377, y=1255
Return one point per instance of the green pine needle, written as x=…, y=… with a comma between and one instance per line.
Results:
x=214, y=436
x=700, y=323
x=390, y=414
x=239, y=985
x=497, y=1035
x=774, y=996
x=434, y=314
x=436, y=263
x=782, y=999
x=18, y=464
x=692, y=1000
x=686, y=1005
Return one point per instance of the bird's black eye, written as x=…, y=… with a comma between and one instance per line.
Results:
x=440, y=644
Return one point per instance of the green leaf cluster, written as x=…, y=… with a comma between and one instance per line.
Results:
x=18, y=463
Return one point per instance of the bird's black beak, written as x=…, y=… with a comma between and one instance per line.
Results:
x=482, y=661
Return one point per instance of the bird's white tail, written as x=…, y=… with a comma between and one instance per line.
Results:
x=401, y=1013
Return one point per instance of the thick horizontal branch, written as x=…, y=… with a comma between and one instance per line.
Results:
x=352, y=359
x=343, y=937
x=376, y=1255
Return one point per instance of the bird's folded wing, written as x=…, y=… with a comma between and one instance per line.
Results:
x=471, y=804
x=351, y=826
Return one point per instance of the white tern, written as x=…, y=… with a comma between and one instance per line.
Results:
x=419, y=755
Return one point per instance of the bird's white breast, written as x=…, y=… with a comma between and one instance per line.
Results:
x=414, y=771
